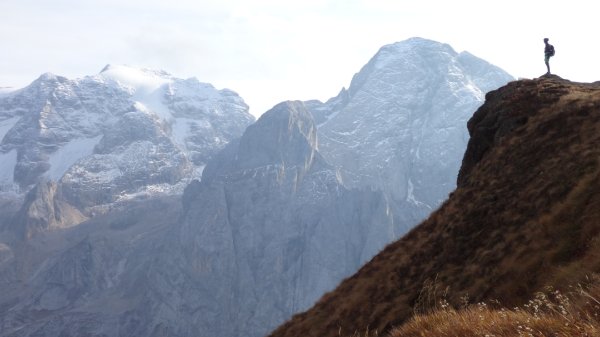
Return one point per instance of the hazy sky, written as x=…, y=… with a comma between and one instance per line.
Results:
x=274, y=50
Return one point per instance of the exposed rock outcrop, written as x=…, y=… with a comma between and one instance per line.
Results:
x=45, y=209
x=271, y=223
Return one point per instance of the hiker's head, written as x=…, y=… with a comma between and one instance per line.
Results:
x=545, y=40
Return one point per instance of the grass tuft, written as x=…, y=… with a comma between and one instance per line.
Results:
x=549, y=313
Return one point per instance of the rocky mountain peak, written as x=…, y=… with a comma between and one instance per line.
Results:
x=401, y=56
x=401, y=125
x=41, y=92
x=50, y=77
x=402, y=50
x=284, y=135
x=137, y=79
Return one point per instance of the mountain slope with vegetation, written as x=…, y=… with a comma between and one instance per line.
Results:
x=525, y=215
x=549, y=313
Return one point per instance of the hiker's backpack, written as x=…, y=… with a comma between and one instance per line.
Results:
x=551, y=50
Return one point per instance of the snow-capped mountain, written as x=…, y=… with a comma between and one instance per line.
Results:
x=111, y=136
x=401, y=125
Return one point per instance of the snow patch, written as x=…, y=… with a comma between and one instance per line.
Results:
x=148, y=87
x=6, y=125
x=153, y=101
x=328, y=117
x=411, y=197
x=8, y=161
x=346, y=133
x=182, y=128
x=61, y=160
x=162, y=189
x=480, y=95
x=198, y=172
x=195, y=89
x=153, y=190
x=138, y=79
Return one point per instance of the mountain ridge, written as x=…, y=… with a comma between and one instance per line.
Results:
x=401, y=125
x=58, y=111
x=122, y=134
x=524, y=215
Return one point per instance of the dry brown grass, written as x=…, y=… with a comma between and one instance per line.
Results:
x=549, y=314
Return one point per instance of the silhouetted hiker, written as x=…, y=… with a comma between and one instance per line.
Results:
x=548, y=53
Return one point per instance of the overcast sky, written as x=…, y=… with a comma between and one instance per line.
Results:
x=274, y=50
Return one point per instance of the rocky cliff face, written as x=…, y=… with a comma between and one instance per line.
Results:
x=109, y=276
x=401, y=125
x=44, y=209
x=273, y=226
x=115, y=135
x=524, y=215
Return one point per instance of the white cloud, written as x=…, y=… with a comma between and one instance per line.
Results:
x=271, y=50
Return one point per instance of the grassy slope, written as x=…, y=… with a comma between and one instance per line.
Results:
x=526, y=214
x=548, y=314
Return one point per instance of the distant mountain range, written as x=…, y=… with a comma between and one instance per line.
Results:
x=98, y=239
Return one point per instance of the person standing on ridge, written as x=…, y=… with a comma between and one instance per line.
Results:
x=548, y=53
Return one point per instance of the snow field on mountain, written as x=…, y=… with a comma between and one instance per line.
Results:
x=7, y=160
x=125, y=129
x=7, y=168
x=67, y=155
x=6, y=125
x=147, y=87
